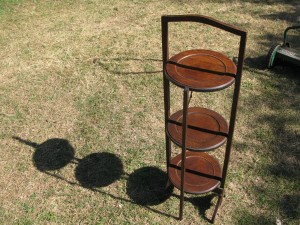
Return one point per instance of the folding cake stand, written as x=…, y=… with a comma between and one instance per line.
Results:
x=198, y=130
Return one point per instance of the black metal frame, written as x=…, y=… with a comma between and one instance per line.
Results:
x=285, y=33
x=165, y=20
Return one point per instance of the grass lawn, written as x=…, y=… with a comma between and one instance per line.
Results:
x=82, y=120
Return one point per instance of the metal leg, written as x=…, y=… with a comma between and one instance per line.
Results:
x=220, y=199
x=167, y=115
x=184, y=128
x=168, y=156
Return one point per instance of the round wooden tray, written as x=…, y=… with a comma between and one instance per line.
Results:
x=201, y=70
x=206, y=129
x=203, y=172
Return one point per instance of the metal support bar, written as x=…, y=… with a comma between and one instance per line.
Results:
x=234, y=107
x=167, y=115
x=184, y=128
x=165, y=53
x=219, y=202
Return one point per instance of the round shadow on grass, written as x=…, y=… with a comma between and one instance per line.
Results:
x=290, y=206
x=99, y=170
x=147, y=186
x=52, y=154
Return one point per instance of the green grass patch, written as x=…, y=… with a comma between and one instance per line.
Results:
x=82, y=91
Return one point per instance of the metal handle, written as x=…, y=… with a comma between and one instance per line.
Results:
x=286, y=30
x=205, y=20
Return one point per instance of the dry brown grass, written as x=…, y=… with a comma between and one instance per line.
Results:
x=89, y=72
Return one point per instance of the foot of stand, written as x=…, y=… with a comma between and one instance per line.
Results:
x=219, y=202
x=181, y=211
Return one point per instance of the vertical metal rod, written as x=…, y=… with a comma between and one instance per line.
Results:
x=219, y=202
x=234, y=108
x=165, y=54
x=184, y=128
x=165, y=40
x=190, y=97
x=167, y=115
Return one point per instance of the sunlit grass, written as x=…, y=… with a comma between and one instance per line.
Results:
x=89, y=72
